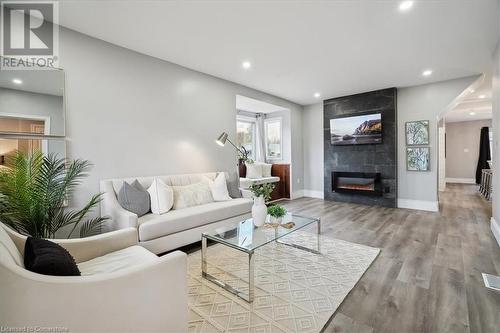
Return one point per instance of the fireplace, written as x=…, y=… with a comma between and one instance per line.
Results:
x=357, y=183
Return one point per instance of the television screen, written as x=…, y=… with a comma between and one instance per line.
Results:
x=356, y=130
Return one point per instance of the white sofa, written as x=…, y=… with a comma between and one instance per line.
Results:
x=176, y=228
x=123, y=287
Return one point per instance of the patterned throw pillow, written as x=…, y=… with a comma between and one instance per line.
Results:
x=192, y=195
x=134, y=198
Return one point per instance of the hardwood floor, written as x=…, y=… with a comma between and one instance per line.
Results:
x=428, y=275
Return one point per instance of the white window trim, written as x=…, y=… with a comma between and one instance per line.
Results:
x=274, y=120
x=250, y=120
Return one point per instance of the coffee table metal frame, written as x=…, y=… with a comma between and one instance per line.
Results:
x=249, y=297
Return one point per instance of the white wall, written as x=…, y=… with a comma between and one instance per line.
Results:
x=312, y=130
x=134, y=115
x=495, y=221
x=462, y=150
x=419, y=189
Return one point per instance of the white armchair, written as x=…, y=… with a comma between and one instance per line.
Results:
x=123, y=287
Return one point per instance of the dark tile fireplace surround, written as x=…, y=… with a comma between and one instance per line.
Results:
x=364, y=174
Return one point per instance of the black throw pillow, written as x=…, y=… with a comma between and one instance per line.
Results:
x=45, y=257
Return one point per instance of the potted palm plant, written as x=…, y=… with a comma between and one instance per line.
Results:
x=34, y=190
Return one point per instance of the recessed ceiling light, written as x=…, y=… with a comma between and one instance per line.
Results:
x=405, y=5
x=427, y=72
x=246, y=64
x=482, y=96
x=472, y=113
x=317, y=95
x=17, y=81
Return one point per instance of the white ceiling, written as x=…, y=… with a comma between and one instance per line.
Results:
x=248, y=104
x=298, y=48
x=477, y=99
x=41, y=82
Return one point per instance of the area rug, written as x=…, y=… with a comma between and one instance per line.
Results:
x=295, y=290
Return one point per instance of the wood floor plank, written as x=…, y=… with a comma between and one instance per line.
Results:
x=428, y=275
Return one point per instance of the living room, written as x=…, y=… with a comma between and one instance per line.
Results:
x=312, y=172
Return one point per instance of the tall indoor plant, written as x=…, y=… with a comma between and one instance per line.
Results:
x=34, y=189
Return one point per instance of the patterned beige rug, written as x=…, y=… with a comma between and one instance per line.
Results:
x=295, y=291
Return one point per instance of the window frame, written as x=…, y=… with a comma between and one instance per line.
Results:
x=266, y=122
x=252, y=121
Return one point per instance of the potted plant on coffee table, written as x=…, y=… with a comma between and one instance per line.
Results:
x=276, y=212
x=262, y=193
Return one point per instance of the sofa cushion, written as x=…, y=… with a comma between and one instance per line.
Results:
x=45, y=257
x=10, y=247
x=233, y=184
x=246, y=182
x=154, y=226
x=162, y=197
x=266, y=169
x=134, y=198
x=115, y=261
x=254, y=170
x=192, y=195
x=219, y=188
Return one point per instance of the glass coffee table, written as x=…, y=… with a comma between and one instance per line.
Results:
x=245, y=237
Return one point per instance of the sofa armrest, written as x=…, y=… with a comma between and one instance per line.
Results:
x=245, y=193
x=120, y=217
x=83, y=249
x=151, y=297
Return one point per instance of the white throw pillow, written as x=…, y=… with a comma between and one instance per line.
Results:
x=192, y=195
x=162, y=197
x=266, y=169
x=254, y=170
x=219, y=188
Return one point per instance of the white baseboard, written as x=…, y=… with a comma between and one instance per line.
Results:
x=461, y=180
x=495, y=228
x=431, y=206
x=297, y=194
x=314, y=194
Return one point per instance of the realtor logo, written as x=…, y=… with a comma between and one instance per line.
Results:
x=29, y=35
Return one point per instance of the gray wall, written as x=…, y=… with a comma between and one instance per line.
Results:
x=462, y=148
x=312, y=130
x=414, y=103
x=423, y=102
x=134, y=115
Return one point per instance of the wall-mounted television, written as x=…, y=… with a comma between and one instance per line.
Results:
x=356, y=130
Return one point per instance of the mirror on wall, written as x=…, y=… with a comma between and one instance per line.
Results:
x=28, y=145
x=32, y=102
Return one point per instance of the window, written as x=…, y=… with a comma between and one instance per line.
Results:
x=245, y=136
x=273, y=138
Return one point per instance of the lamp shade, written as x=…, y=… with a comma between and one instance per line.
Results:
x=221, y=140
